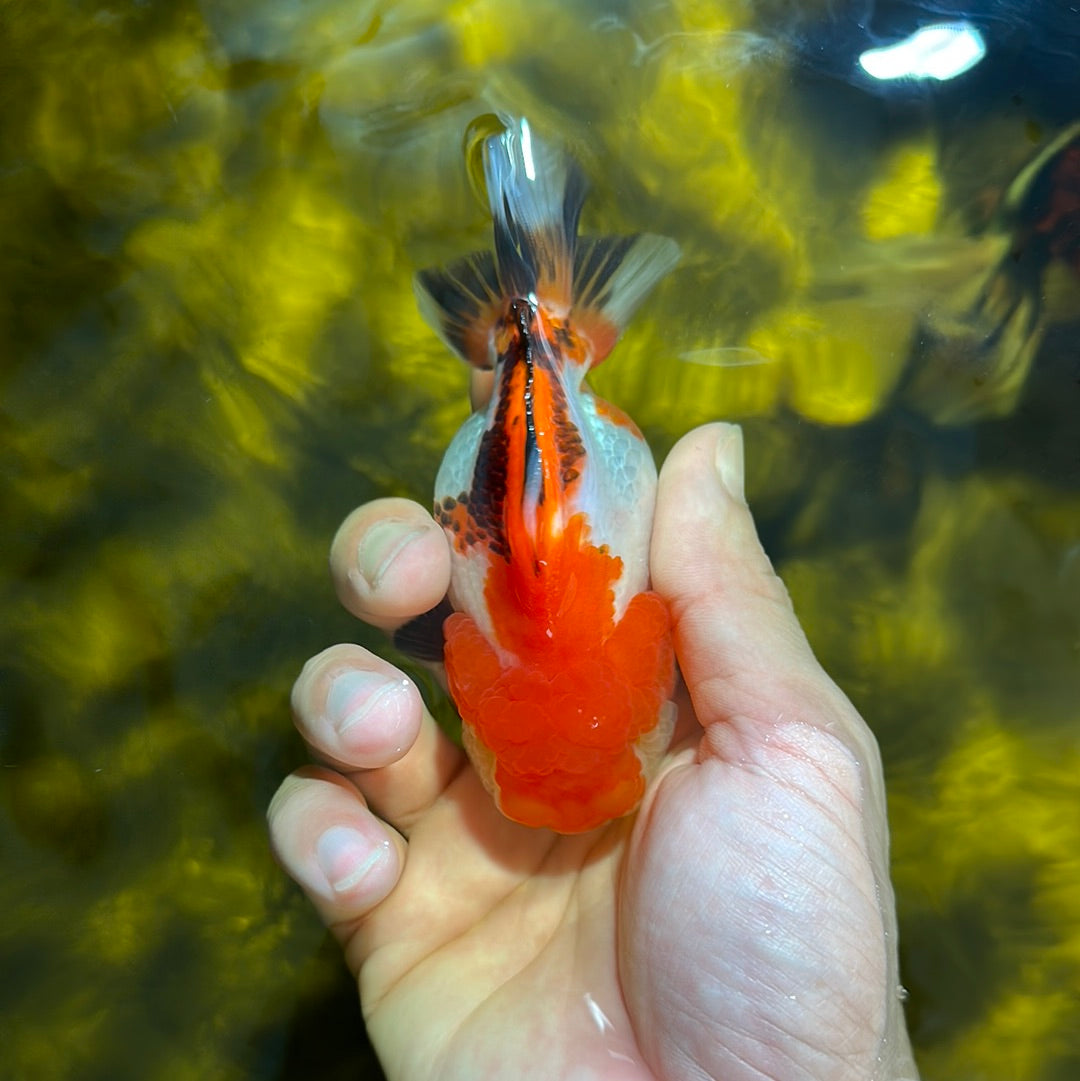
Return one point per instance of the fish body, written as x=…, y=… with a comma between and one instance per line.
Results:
x=558, y=656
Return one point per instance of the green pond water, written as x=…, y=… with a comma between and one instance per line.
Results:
x=211, y=215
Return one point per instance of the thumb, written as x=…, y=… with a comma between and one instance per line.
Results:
x=778, y=732
x=741, y=650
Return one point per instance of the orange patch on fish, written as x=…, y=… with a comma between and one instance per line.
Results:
x=564, y=718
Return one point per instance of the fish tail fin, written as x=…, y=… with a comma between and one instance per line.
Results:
x=612, y=276
x=536, y=195
x=462, y=302
x=1032, y=190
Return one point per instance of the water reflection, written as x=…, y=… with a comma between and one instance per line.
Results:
x=212, y=214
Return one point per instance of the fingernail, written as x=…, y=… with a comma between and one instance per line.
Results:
x=353, y=696
x=345, y=856
x=380, y=546
x=729, y=462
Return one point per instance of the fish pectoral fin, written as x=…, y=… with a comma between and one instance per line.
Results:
x=612, y=276
x=422, y=637
x=462, y=303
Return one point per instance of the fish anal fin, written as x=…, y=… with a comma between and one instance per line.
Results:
x=612, y=276
x=462, y=303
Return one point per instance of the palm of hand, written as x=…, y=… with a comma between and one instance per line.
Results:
x=537, y=955
x=503, y=939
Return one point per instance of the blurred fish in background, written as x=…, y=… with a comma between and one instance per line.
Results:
x=981, y=303
x=972, y=357
x=963, y=250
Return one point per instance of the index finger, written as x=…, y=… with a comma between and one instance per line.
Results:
x=390, y=562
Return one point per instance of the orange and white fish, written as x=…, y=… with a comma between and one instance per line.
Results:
x=558, y=657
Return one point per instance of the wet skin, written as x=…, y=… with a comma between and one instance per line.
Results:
x=739, y=926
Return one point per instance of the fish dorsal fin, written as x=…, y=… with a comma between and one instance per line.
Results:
x=536, y=195
x=462, y=303
x=612, y=276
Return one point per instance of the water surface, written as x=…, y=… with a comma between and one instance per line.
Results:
x=211, y=216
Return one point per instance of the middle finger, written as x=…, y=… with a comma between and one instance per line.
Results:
x=363, y=716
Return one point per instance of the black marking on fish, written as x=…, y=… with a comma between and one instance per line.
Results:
x=533, y=482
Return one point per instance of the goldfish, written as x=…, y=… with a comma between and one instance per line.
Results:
x=979, y=338
x=557, y=654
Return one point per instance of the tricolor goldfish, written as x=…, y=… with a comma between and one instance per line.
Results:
x=558, y=656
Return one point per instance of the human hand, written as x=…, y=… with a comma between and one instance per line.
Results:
x=740, y=925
